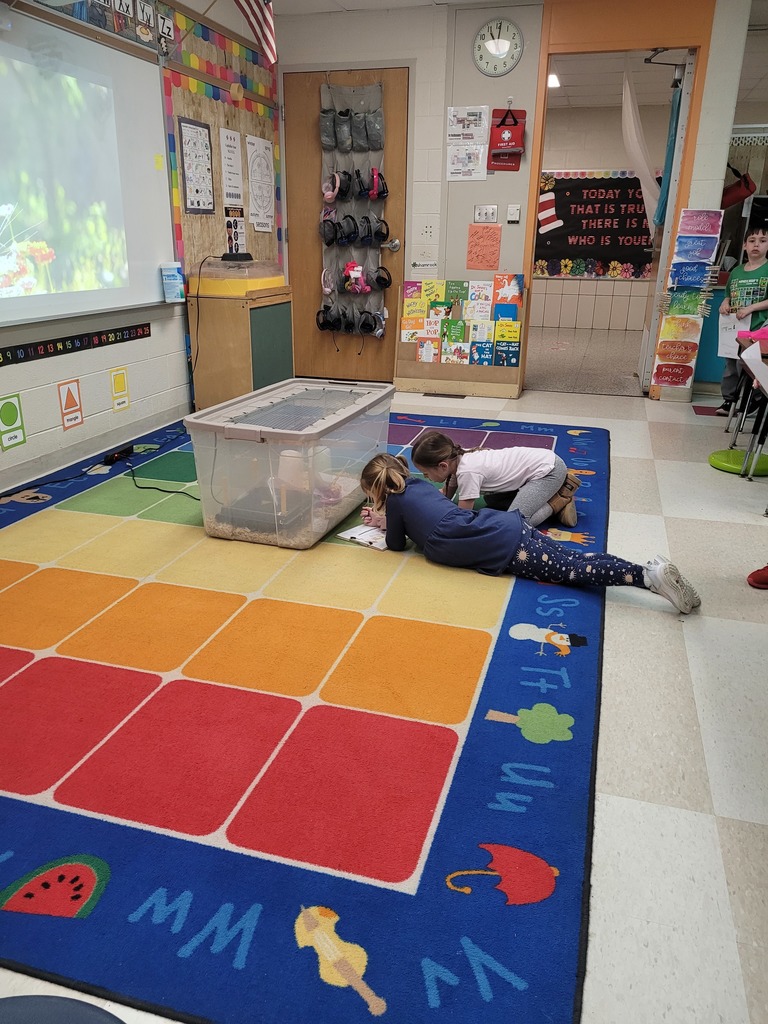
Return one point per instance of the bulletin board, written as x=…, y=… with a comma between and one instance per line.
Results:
x=214, y=80
x=591, y=224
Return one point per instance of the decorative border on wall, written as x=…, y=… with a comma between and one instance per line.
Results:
x=174, y=79
x=232, y=65
x=32, y=351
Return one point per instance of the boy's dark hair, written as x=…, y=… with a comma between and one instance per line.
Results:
x=756, y=229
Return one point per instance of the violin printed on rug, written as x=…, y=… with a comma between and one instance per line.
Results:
x=253, y=785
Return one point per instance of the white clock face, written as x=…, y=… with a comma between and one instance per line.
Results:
x=497, y=48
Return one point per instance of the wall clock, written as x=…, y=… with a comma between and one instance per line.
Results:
x=497, y=47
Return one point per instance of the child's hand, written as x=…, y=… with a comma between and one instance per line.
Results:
x=725, y=307
x=744, y=311
x=371, y=518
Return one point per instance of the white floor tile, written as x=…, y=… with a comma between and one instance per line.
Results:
x=662, y=940
x=729, y=668
x=637, y=537
x=697, y=491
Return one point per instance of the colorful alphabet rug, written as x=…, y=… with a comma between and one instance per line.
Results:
x=243, y=783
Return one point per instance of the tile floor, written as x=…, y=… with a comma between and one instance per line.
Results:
x=679, y=913
x=598, y=362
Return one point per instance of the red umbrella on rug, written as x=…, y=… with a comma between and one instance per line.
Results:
x=524, y=877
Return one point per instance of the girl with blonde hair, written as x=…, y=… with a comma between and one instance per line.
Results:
x=495, y=542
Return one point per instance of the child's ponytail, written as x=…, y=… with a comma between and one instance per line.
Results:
x=385, y=474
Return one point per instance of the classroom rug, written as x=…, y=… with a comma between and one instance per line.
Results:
x=243, y=783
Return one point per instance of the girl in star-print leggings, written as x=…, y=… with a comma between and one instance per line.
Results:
x=494, y=542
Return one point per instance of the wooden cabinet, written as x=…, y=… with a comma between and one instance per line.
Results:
x=239, y=344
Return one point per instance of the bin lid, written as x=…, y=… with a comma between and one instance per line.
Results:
x=293, y=410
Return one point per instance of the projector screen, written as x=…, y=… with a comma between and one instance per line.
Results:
x=85, y=216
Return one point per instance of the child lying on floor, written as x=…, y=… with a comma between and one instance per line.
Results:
x=495, y=542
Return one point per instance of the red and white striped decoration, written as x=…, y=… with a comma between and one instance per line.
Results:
x=258, y=14
x=548, y=219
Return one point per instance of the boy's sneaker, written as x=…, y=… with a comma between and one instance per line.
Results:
x=723, y=410
x=759, y=579
x=665, y=579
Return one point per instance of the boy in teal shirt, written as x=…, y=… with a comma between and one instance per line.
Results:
x=746, y=295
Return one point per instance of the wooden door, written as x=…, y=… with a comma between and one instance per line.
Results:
x=321, y=353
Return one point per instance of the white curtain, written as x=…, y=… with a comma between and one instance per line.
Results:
x=634, y=143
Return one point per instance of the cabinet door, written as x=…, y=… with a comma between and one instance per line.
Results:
x=271, y=344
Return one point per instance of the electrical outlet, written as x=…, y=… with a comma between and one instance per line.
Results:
x=486, y=214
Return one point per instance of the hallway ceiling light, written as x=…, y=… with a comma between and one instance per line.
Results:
x=553, y=82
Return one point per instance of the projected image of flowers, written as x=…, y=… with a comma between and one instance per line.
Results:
x=61, y=214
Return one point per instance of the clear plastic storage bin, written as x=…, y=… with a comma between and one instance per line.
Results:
x=282, y=465
x=233, y=279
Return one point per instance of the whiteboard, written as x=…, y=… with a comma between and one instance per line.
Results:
x=85, y=204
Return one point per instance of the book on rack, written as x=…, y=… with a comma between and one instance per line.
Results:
x=368, y=536
x=454, y=348
x=411, y=327
x=506, y=353
x=480, y=330
x=428, y=350
x=439, y=308
x=456, y=290
x=507, y=330
x=416, y=306
x=478, y=309
x=506, y=311
x=481, y=353
x=433, y=290
x=480, y=291
x=411, y=289
x=507, y=287
x=432, y=325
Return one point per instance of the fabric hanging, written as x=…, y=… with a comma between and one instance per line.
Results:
x=634, y=143
x=674, y=119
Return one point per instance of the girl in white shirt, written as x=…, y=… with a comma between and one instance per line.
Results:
x=534, y=481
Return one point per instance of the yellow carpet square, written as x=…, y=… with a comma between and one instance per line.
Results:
x=340, y=576
x=50, y=534
x=134, y=548
x=437, y=593
x=227, y=565
x=412, y=669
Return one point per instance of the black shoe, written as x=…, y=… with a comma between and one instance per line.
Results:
x=723, y=410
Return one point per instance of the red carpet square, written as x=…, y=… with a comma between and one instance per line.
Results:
x=12, y=660
x=55, y=711
x=185, y=759
x=350, y=791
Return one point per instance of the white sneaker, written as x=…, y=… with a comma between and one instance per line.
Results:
x=665, y=579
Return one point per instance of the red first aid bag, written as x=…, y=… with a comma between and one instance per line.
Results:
x=507, y=139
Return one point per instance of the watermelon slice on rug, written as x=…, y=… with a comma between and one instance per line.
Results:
x=70, y=887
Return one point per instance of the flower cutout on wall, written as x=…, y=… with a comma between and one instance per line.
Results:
x=547, y=183
x=565, y=266
x=579, y=268
x=553, y=267
x=627, y=270
x=540, y=268
x=614, y=269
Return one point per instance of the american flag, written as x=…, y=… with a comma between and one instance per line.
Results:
x=258, y=14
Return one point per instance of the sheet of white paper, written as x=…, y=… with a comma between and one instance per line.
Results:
x=752, y=356
x=371, y=536
x=727, y=346
x=261, y=183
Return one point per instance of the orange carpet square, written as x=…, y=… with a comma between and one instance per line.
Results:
x=156, y=628
x=185, y=759
x=43, y=608
x=350, y=791
x=415, y=669
x=10, y=572
x=55, y=711
x=277, y=646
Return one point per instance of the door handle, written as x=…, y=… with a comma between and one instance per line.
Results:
x=393, y=245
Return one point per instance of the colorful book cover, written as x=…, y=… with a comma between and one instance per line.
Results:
x=440, y=309
x=506, y=353
x=481, y=353
x=480, y=330
x=411, y=327
x=411, y=289
x=433, y=290
x=454, y=352
x=432, y=327
x=478, y=309
x=457, y=290
x=506, y=311
x=480, y=291
x=507, y=330
x=507, y=287
x=416, y=306
x=453, y=331
x=428, y=350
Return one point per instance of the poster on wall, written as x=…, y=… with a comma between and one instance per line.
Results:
x=196, y=165
x=231, y=167
x=261, y=183
x=591, y=224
